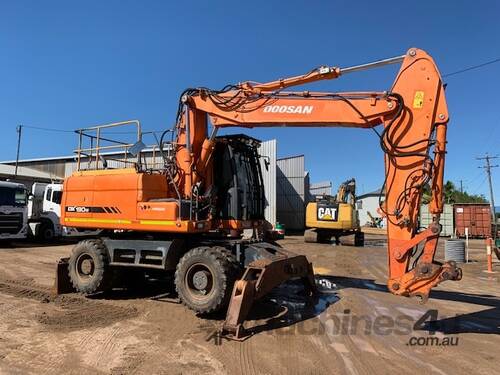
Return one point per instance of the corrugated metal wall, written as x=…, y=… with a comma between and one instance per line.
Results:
x=446, y=219
x=290, y=192
x=268, y=151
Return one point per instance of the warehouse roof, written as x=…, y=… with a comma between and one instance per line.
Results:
x=9, y=171
x=375, y=193
x=67, y=157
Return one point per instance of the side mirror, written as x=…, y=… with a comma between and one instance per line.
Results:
x=31, y=197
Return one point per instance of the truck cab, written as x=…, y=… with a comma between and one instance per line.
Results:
x=44, y=211
x=13, y=210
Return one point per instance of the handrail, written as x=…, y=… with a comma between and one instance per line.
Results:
x=94, y=132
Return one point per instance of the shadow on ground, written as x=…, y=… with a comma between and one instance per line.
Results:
x=286, y=305
x=486, y=321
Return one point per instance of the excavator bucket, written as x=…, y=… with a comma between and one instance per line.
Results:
x=259, y=278
x=63, y=283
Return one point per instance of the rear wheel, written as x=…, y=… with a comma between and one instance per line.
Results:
x=88, y=267
x=205, y=277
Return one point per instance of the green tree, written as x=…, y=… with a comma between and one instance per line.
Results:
x=452, y=195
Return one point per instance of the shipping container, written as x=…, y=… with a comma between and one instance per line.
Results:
x=290, y=192
x=474, y=216
x=446, y=219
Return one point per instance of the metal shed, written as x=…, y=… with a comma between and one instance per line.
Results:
x=267, y=151
x=320, y=188
x=290, y=192
x=368, y=204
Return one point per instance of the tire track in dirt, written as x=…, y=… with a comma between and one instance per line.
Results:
x=67, y=312
x=25, y=348
x=246, y=358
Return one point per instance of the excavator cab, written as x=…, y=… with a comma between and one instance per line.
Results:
x=238, y=179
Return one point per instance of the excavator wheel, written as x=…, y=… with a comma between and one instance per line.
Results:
x=204, y=278
x=88, y=267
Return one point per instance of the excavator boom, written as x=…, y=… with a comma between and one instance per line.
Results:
x=414, y=116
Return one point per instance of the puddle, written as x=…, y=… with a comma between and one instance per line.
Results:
x=298, y=305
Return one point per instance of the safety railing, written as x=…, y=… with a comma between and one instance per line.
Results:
x=96, y=148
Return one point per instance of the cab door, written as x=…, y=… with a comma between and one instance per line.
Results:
x=52, y=199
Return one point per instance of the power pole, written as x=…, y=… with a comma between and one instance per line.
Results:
x=461, y=187
x=488, y=167
x=19, y=130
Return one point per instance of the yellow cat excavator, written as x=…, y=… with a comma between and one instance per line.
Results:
x=334, y=216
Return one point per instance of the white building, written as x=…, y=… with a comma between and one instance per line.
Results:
x=369, y=203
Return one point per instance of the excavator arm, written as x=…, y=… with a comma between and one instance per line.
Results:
x=414, y=116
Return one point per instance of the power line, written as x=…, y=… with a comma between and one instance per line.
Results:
x=48, y=129
x=480, y=186
x=472, y=67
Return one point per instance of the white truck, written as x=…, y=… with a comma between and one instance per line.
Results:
x=44, y=211
x=34, y=214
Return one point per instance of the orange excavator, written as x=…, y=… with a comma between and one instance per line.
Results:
x=185, y=215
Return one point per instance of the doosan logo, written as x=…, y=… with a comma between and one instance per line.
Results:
x=302, y=109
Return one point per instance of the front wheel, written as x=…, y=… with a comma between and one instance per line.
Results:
x=47, y=232
x=88, y=267
x=205, y=277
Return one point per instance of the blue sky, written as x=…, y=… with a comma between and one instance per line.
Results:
x=69, y=64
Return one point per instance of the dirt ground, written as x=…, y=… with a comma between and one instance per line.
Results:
x=356, y=326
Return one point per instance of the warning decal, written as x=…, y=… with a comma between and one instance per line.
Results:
x=418, y=100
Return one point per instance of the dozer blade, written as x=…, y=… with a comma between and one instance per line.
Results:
x=63, y=283
x=260, y=277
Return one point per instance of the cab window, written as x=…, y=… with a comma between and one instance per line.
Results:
x=57, y=197
x=48, y=194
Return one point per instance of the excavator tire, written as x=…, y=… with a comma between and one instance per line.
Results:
x=88, y=267
x=204, y=278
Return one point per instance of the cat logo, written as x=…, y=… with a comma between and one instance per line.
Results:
x=327, y=213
